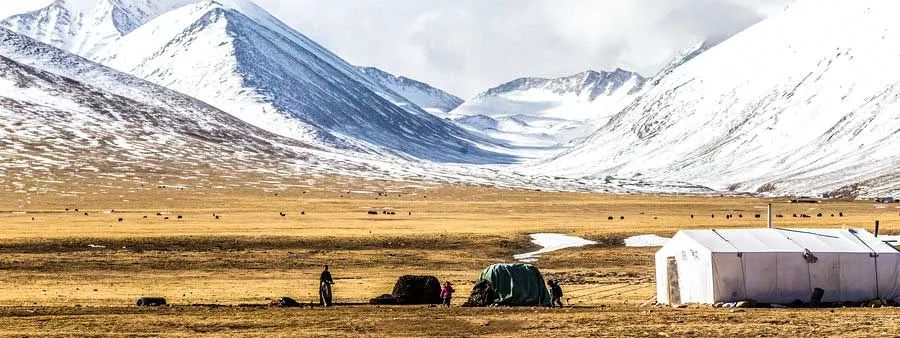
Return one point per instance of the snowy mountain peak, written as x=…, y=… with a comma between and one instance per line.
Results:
x=237, y=57
x=85, y=26
x=431, y=99
x=800, y=103
x=550, y=114
x=590, y=82
x=681, y=58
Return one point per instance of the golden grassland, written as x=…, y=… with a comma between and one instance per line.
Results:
x=67, y=273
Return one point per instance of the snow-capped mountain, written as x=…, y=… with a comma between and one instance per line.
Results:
x=431, y=99
x=67, y=124
x=56, y=128
x=235, y=56
x=85, y=26
x=549, y=113
x=802, y=102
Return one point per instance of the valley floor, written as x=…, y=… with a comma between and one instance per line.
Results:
x=67, y=273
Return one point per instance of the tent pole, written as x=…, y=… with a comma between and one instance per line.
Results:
x=769, y=216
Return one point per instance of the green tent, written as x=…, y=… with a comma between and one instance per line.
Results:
x=517, y=285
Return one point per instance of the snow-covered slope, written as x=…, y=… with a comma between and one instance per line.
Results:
x=235, y=56
x=431, y=99
x=85, y=26
x=802, y=102
x=57, y=128
x=68, y=125
x=550, y=113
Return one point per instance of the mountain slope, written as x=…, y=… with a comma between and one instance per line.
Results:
x=57, y=129
x=810, y=114
x=235, y=56
x=550, y=113
x=431, y=99
x=85, y=26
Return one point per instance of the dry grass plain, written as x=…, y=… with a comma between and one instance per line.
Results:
x=70, y=274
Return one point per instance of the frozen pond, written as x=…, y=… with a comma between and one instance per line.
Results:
x=550, y=243
x=643, y=241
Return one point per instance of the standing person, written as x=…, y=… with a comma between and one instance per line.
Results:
x=556, y=293
x=325, y=282
x=447, y=294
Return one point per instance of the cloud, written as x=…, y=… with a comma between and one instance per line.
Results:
x=467, y=46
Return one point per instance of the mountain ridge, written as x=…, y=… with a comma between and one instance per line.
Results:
x=808, y=116
x=426, y=96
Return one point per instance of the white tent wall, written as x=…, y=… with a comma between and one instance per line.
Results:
x=694, y=265
x=775, y=277
x=711, y=269
x=889, y=276
x=728, y=278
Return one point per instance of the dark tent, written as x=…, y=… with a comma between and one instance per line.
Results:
x=411, y=290
x=511, y=285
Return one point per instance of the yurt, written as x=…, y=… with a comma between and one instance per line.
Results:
x=776, y=266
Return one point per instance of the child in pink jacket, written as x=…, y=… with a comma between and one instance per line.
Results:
x=447, y=293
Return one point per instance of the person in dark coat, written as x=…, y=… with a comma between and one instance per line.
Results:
x=325, y=282
x=556, y=293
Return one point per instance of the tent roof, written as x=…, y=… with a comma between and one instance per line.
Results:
x=789, y=240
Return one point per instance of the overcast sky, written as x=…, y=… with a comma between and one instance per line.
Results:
x=467, y=46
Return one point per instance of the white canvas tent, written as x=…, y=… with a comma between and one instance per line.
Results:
x=777, y=266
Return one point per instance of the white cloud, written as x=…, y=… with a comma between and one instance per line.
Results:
x=466, y=46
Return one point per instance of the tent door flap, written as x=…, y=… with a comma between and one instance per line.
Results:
x=672, y=277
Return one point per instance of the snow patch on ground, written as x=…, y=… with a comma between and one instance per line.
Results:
x=550, y=243
x=645, y=241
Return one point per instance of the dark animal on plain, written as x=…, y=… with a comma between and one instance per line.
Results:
x=410, y=213
x=372, y=212
x=795, y=215
x=32, y=218
x=165, y=218
x=779, y=216
x=621, y=217
x=121, y=219
x=282, y=214
x=303, y=212
x=76, y=209
x=740, y=215
x=841, y=214
x=832, y=215
x=179, y=217
x=217, y=216
x=276, y=194
x=145, y=217
x=610, y=218
x=713, y=216
x=384, y=212
x=67, y=209
x=158, y=214
x=819, y=215
x=756, y=216
x=85, y=214
x=692, y=216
